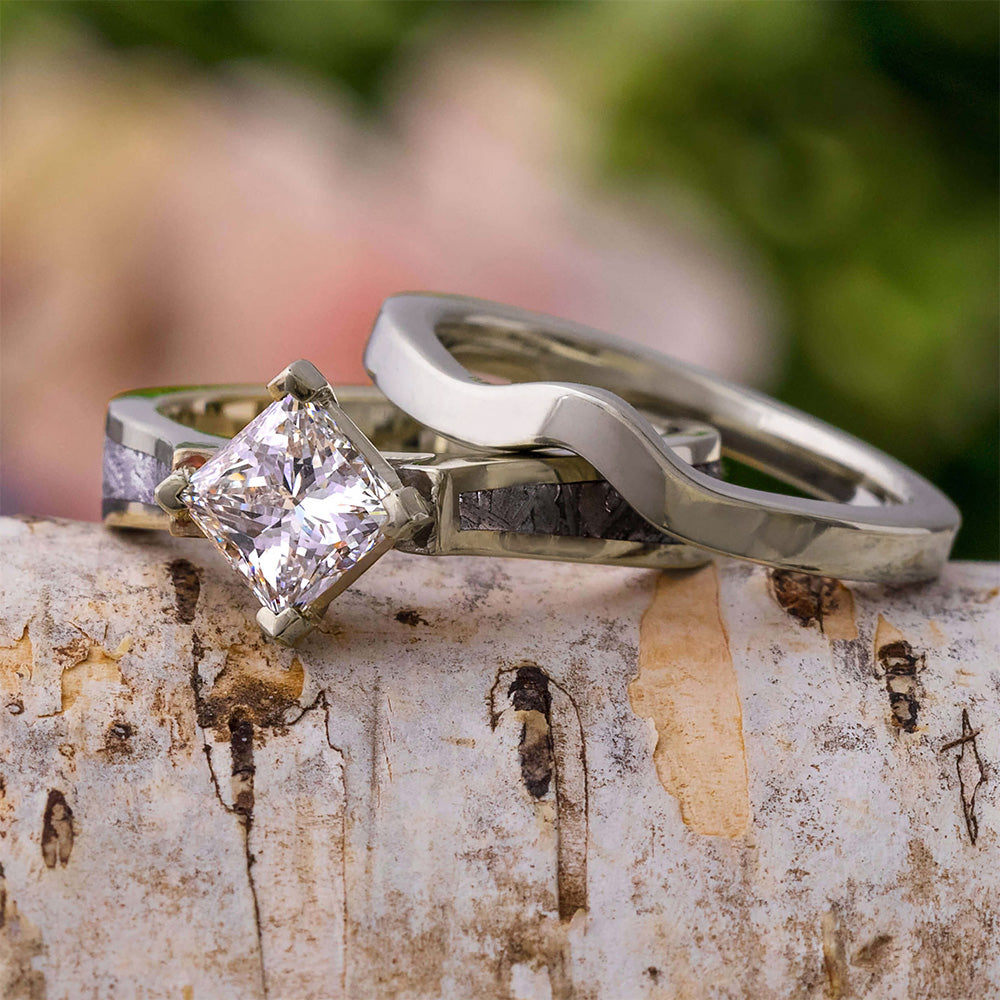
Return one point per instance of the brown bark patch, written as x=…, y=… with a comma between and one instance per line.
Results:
x=15, y=673
x=834, y=955
x=687, y=687
x=57, y=830
x=186, y=579
x=553, y=760
x=816, y=600
x=118, y=740
x=90, y=663
x=410, y=616
x=15, y=661
x=21, y=945
x=241, y=749
x=886, y=632
x=530, y=694
x=255, y=685
x=900, y=665
x=872, y=954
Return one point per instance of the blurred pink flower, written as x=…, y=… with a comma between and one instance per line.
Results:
x=167, y=228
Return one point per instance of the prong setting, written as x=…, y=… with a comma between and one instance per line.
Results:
x=289, y=626
x=168, y=491
x=304, y=381
x=408, y=512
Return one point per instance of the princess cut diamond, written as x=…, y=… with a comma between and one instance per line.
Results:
x=291, y=503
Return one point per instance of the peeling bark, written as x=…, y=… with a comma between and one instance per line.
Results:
x=687, y=687
x=492, y=779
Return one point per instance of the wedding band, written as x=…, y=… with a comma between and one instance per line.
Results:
x=301, y=501
x=873, y=519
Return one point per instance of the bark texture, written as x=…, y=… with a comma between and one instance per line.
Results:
x=493, y=779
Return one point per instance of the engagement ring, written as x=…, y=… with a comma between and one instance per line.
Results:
x=292, y=490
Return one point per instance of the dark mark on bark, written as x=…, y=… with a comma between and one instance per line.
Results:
x=805, y=597
x=530, y=695
x=187, y=588
x=117, y=740
x=197, y=651
x=653, y=972
x=3, y=896
x=16, y=707
x=552, y=752
x=320, y=702
x=410, y=616
x=241, y=747
x=538, y=943
x=971, y=773
x=873, y=953
x=253, y=693
x=57, y=830
x=265, y=695
x=901, y=665
x=241, y=751
x=968, y=737
x=74, y=651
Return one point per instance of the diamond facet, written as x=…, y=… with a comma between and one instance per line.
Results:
x=291, y=502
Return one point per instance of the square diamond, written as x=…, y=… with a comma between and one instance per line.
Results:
x=291, y=502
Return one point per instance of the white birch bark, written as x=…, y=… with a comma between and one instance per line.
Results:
x=492, y=779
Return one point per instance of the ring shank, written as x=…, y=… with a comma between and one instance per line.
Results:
x=551, y=505
x=873, y=519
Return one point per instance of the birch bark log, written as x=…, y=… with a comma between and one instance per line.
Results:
x=493, y=779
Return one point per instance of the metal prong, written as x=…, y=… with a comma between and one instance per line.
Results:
x=304, y=381
x=288, y=627
x=167, y=493
x=408, y=512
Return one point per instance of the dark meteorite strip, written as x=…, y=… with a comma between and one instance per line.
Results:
x=581, y=510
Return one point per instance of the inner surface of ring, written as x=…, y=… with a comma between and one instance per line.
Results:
x=519, y=352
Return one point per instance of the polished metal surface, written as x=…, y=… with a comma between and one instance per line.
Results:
x=872, y=519
x=550, y=505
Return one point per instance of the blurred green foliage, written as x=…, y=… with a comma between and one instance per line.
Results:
x=854, y=147
x=352, y=43
x=851, y=146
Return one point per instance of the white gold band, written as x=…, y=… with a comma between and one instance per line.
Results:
x=873, y=519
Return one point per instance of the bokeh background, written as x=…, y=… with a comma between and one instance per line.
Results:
x=802, y=196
